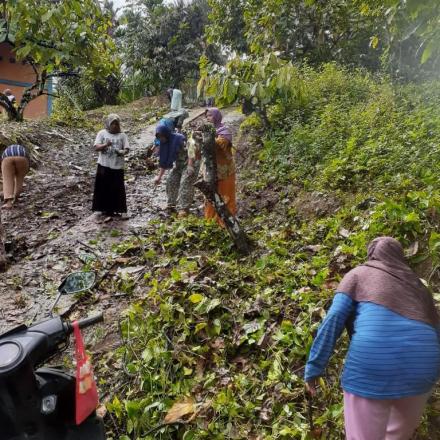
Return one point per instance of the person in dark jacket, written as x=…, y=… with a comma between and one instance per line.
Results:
x=173, y=156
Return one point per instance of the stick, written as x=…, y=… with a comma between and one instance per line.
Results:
x=2, y=248
x=310, y=413
x=195, y=118
x=92, y=250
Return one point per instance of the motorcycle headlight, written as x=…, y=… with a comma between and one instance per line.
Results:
x=9, y=353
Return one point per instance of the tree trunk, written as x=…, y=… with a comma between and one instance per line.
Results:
x=30, y=93
x=2, y=248
x=107, y=91
x=209, y=189
x=208, y=155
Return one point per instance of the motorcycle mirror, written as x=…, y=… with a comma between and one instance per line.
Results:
x=74, y=283
x=77, y=282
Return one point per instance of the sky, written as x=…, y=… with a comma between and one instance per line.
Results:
x=119, y=3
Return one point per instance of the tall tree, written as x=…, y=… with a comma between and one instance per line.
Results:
x=58, y=39
x=164, y=42
x=227, y=24
x=315, y=30
x=412, y=34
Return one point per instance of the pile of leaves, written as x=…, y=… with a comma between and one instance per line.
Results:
x=215, y=343
x=216, y=346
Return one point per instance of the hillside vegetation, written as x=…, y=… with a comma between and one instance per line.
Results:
x=218, y=341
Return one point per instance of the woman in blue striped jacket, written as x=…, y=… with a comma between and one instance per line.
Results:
x=393, y=361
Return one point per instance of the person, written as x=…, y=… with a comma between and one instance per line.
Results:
x=225, y=165
x=180, y=183
x=178, y=113
x=393, y=360
x=10, y=95
x=109, y=197
x=15, y=166
x=173, y=156
x=168, y=122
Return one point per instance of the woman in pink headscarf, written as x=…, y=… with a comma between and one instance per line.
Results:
x=225, y=165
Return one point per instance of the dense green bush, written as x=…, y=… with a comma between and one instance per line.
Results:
x=357, y=131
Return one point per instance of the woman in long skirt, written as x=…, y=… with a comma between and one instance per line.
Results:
x=225, y=166
x=109, y=197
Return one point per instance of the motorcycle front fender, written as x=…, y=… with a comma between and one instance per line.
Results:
x=90, y=429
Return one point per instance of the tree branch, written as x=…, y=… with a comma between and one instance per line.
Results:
x=50, y=94
x=209, y=189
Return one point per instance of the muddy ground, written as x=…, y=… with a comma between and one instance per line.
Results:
x=52, y=231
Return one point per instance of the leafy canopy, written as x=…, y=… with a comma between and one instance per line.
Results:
x=295, y=29
x=163, y=43
x=59, y=36
x=409, y=19
x=399, y=35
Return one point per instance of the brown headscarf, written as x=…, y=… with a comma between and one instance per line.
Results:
x=387, y=280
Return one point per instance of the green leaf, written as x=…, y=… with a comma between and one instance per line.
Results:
x=196, y=298
x=176, y=275
x=187, y=371
x=45, y=17
x=412, y=217
x=214, y=303
x=374, y=42
x=427, y=53
x=200, y=327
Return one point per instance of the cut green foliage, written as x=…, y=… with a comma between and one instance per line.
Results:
x=349, y=158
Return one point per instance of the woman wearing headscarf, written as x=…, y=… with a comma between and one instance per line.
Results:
x=225, y=165
x=393, y=361
x=178, y=113
x=172, y=156
x=15, y=166
x=109, y=197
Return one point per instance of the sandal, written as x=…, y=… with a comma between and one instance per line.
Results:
x=8, y=204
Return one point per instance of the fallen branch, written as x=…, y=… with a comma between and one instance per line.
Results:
x=206, y=138
x=207, y=151
x=195, y=118
x=241, y=239
x=2, y=248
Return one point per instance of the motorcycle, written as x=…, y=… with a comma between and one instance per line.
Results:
x=38, y=402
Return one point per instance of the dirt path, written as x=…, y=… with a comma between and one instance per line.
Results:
x=52, y=231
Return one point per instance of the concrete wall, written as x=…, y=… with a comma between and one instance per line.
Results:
x=16, y=76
